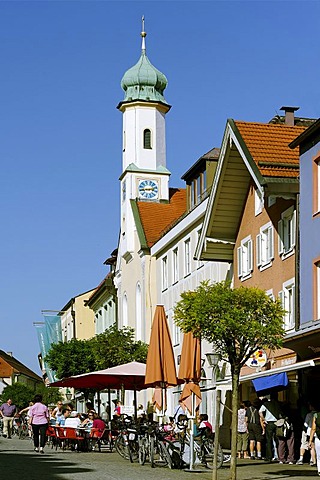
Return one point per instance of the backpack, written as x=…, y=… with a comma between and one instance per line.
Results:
x=283, y=428
x=253, y=415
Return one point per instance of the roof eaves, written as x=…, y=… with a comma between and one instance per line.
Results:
x=251, y=163
x=138, y=223
x=304, y=136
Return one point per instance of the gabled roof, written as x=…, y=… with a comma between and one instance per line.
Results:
x=18, y=367
x=251, y=153
x=154, y=219
x=268, y=145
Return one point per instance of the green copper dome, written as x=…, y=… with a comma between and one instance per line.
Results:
x=143, y=81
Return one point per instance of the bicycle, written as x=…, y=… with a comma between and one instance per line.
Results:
x=126, y=442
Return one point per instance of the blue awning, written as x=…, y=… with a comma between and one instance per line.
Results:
x=271, y=381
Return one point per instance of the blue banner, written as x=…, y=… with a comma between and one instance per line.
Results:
x=53, y=328
x=44, y=349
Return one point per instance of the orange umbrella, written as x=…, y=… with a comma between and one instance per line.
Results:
x=160, y=367
x=190, y=371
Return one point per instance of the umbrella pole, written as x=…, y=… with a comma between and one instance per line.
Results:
x=135, y=404
x=192, y=433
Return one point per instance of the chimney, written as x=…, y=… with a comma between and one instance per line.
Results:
x=289, y=115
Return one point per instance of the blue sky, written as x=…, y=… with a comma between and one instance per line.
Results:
x=60, y=132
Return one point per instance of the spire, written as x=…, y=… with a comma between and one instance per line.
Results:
x=143, y=35
x=143, y=81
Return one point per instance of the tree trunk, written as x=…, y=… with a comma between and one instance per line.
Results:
x=234, y=423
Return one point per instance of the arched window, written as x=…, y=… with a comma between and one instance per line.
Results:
x=139, y=332
x=125, y=311
x=147, y=139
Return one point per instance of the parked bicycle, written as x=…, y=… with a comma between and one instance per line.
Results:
x=126, y=442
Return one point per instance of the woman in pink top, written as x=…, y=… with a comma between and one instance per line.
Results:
x=39, y=419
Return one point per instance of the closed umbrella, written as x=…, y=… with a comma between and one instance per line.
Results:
x=160, y=367
x=190, y=372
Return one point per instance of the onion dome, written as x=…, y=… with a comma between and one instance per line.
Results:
x=143, y=81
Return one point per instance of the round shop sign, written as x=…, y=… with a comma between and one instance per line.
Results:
x=258, y=359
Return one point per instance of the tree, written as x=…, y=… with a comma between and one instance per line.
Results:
x=71, y=358
x=116, y=347
x=19, y=393
x=238, y=322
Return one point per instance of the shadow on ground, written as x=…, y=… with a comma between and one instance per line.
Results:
x=17, y=466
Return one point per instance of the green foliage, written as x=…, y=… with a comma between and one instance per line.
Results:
x=111, y=348
x=71, y=358
x=116, y=347
x=50, y=395
x=19, y=393
x=238, y=321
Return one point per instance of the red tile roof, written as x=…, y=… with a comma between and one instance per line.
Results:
x=268, y=146
x=156, y=218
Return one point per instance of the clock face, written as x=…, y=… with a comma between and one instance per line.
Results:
x=148, y=189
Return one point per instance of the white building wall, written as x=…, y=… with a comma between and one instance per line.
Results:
x=199, y=271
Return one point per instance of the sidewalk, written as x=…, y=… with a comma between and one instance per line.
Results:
x=19, y=462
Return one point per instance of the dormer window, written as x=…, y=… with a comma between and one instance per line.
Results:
x=147, y=139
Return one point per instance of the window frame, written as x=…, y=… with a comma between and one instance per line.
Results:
x=187, y=257
x=175, y=265
x=245, y=255
x=265, y=246
x=287, y=297
x=147, y=139
x=164, y=273
x=287, y=232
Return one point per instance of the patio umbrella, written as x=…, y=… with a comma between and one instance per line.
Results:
x=160, y=367
x=190, y=371
x=129, y=376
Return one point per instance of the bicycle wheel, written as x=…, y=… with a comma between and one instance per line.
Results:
x=142, y=451
x=208, y=451
x=160, y=456
x=122, y=447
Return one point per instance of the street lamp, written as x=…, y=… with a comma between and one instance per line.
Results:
x=68, y=394
x=213, y=360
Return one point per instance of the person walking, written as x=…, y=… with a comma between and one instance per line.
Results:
x=242, y=433
x=39, y=420
x=269, y=413
x=254, y=429
x=7, y=411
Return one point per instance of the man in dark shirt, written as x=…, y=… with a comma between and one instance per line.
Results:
x=7, y=411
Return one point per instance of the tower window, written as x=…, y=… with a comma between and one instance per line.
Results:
x=147, y=139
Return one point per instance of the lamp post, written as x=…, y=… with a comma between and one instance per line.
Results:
x=68, y=394
x=213, y=360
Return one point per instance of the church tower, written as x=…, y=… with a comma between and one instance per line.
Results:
x=144, y=174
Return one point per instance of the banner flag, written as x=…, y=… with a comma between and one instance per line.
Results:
x=53, y=328
x=44, y=349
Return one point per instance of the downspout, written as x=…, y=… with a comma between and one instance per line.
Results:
x=73, y=315
x=297, y=265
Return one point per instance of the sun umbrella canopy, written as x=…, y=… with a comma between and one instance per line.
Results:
x=190, y=363
x=160, y=368
x=130, y=376
x=190, y=371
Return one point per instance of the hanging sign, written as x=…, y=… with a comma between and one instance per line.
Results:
x=258, y=359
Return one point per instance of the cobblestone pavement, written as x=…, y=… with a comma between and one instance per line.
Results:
x=19, y=462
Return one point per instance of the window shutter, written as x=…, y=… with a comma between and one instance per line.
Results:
x=258, y=239
x=281, y=298
x=293, y=316
x=250, y=262
x=270, y=244
x=293, y=237
x=239, y=255
x=280, y=237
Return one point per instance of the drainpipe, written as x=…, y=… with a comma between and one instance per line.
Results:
x=297, y=265
x=73, y=315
